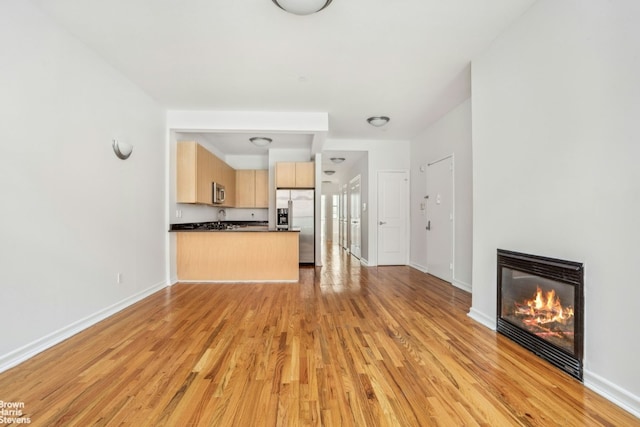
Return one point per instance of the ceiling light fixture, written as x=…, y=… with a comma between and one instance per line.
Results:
x=329, y=172
x=302, y=7
x=260, y=141
x=378, y=121
x=337, y=159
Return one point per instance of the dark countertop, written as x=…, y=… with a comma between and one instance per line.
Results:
x=225, y=226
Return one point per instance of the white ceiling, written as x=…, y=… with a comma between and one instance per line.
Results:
x=406, y=59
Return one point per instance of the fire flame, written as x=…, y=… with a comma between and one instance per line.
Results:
x=544, y=308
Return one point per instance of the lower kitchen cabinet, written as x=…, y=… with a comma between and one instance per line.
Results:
x=238, y=256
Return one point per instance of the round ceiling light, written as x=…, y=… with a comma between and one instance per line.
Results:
x=337, y=159
x=378, y=121
x=302, y=7
x=260, y=141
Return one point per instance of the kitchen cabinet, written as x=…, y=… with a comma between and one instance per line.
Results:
x=229, y=181
x=295, y=175
x=252, y=188
x=197, y=169
x=238, y=256
x=262, y=188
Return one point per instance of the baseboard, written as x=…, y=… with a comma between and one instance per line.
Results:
x=461, y=285
x=25, y=352
x=419, y=267
x=489, y=322
x=612, y=392
x=364, y=262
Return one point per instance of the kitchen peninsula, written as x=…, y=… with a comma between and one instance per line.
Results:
x=215, y=252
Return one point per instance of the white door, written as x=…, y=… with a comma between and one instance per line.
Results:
x=393, y=210
x=440, y=218
x=343, y=217
x=355, y=239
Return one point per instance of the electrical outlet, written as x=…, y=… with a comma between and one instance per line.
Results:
x=119, y=278
x=178, y=213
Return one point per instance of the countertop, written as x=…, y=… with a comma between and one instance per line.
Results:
x=226, y=226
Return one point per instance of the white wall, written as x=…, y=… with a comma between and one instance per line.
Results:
x=449, y=135
x=73, y=215
x=382, y=155
x=556, y=103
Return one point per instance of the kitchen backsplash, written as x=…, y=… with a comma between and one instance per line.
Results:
x=249, y=214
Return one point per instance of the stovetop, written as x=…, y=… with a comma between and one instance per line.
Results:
x=216, y=225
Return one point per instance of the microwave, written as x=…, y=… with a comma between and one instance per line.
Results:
x=218, y=193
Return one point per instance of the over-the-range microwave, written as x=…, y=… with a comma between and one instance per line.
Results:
x=217, y=193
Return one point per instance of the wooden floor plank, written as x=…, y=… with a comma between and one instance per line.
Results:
x=347, y=346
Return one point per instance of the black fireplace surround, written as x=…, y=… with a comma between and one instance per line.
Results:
x=541, y=307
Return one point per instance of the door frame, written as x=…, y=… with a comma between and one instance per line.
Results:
x=453, y=213
x=358, y=178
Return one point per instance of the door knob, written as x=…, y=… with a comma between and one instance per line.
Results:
x=382, y=223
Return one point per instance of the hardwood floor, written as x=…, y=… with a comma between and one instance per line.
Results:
x=348, y=346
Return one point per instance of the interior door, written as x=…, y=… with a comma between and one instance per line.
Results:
x=393, y=208
x=355, y=239
x=440, y=218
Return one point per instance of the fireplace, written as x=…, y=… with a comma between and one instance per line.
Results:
x=540, y=306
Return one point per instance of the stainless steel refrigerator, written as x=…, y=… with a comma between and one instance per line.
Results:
x=301, y=206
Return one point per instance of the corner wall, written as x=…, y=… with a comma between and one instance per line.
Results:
x=449, y=135
x=555, y=153
x=73, y=215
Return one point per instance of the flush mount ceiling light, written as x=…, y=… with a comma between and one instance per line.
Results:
x=260, y=141
x=337, y=159
x=378, y=121
x=329, y=172
x=302, y=7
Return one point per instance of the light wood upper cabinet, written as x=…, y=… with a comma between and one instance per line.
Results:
x=262, y=188
x=285, y=175
x=252, y=188
x=245, y=188
x=197, y=169
x=295, y=175
x=229, y=181
x=193, y=171
x=305, y=175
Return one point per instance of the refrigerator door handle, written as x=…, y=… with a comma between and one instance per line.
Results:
x=290, y=219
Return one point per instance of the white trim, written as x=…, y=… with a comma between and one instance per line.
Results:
x=480, y=317
x=462, y=285
x=27, y=351
x=619, y=396
x=213, y=282
x=365, y=263
x=419, y=267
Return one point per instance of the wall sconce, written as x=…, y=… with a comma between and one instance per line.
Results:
x=302, y=7
x=337, y=159
x=329, y=172
x=122, y=149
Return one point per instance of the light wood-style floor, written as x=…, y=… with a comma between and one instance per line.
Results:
x=348, y=346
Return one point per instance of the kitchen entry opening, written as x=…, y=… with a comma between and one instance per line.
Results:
x=540, y=306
